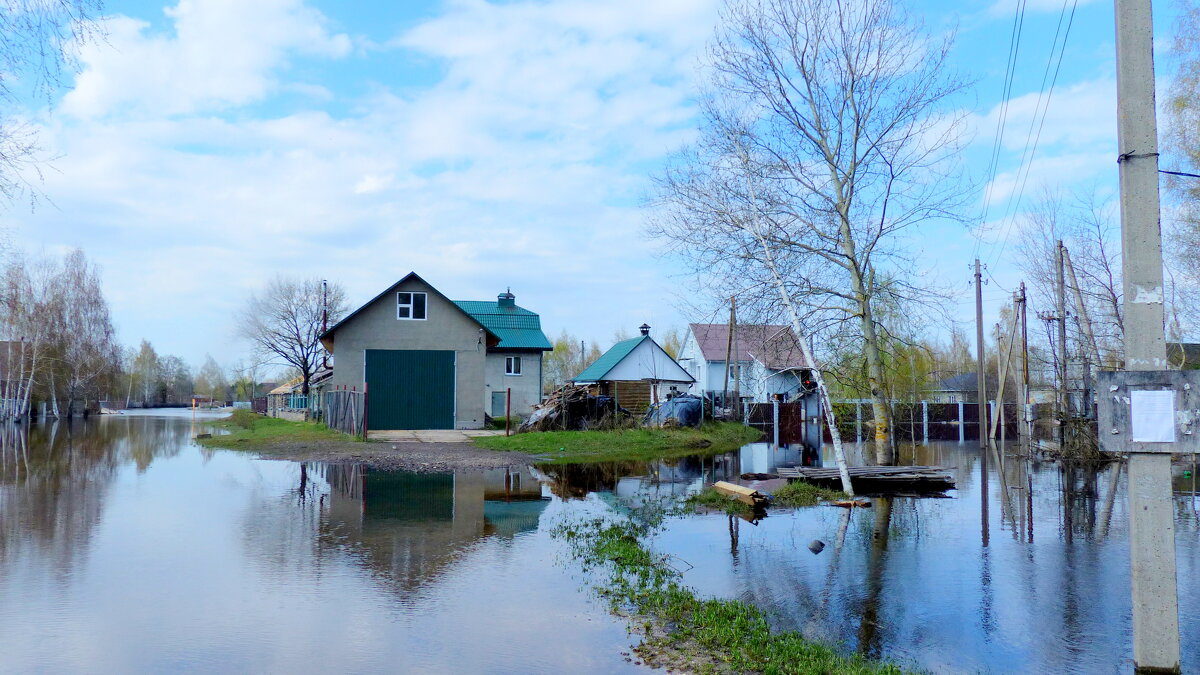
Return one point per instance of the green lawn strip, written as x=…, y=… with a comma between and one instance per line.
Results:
x=563, y=447
x=720, y=635
x=252, y=431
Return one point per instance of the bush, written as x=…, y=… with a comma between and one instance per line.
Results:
x=244, y=418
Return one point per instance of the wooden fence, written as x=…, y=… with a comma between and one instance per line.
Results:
x=345, y=410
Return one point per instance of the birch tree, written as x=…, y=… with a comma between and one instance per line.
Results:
x=828, y=135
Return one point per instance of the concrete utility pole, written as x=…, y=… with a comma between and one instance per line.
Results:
x=1152, y=525
x=1026, y=425
x=980, y=372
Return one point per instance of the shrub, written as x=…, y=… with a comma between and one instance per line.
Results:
x=244, y=418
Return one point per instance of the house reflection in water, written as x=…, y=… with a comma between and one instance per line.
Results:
x=409, y=527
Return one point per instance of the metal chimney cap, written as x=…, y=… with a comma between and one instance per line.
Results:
x=645, y=329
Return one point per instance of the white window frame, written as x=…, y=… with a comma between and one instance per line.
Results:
x=509, y=362
x=411, y=305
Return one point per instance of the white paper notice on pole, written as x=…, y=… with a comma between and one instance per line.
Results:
x=1152, y=415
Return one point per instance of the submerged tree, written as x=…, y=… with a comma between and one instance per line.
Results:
x=285, y=322
x=827, y=137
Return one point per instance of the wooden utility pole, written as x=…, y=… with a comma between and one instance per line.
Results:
x=728, y=354
x=737, y=371
x=1085, y=322
x=980, y=372
x=1002, y=371
x=1152, y=524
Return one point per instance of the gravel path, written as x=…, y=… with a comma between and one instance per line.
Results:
x=400, y=456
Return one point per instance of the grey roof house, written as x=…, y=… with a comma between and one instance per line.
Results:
x=766, y=359
x=428, y=362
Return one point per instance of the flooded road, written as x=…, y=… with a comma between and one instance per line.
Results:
x=126, y=548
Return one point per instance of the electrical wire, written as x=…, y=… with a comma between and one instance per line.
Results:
x=1030, y=151
x=1014, y=47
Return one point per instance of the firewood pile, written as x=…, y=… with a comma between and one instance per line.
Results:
x=572, y=407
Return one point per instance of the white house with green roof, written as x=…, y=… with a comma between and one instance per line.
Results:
x=636, y=371
x=428, y=362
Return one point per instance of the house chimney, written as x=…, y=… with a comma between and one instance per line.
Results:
x=506, y=299
x=645, y=328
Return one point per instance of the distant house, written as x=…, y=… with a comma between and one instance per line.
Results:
x=428, y=362
x=766, y=360
x=960, y=388
x=637, y=372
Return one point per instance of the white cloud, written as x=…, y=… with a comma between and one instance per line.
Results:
x=223, y=53
x=522, y=166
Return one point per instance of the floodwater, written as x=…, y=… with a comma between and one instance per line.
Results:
x=124, y=547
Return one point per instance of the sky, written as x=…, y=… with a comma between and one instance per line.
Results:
x=207, y=146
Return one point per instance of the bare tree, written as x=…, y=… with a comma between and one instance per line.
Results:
x=37, y=41
x=286, y=320
x=828, y=136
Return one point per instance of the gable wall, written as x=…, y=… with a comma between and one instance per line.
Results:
x=446, y=328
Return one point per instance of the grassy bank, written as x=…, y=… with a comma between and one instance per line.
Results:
x=683, y=631
x=251, y=431
x=561, y=447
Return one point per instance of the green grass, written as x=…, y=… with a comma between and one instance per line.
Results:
x=709, y=634
x=562, y=447
x=251, y=431
x=711, y=499
x=799, y=493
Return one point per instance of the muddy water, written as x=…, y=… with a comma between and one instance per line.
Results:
x=126, y=548
x=1030, y=576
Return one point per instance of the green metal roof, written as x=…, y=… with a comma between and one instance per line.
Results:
x=609, y=360
x=517, y=327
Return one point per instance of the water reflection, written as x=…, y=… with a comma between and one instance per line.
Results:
x=407, y=528
x=124, y=547
x=55, y=478
x=918, y=581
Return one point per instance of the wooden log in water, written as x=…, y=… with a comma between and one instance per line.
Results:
x=741, y=493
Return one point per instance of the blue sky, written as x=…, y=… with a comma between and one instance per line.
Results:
x=211, y=144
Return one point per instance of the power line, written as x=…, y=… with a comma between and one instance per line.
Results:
x=1031, y=149
x=1180, y=173
x=1014, y=46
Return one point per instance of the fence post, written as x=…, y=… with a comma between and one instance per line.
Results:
x=775, y=420
x=961, y=424
x=507, y=409
x=925, y=420
x=365, y=428
x=858, y=421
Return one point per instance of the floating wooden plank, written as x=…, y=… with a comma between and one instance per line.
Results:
x=741, y=493
x=920, y=478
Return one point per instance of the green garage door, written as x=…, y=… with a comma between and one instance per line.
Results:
x=410, y=389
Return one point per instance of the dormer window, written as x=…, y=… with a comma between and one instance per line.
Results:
x=410, y=306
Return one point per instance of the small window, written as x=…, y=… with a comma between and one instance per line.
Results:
x=512, y=365
x=410, y=306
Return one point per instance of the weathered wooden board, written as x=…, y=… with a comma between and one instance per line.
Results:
x=741, y=493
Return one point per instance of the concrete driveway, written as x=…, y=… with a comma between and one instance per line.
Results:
x=432, y=435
